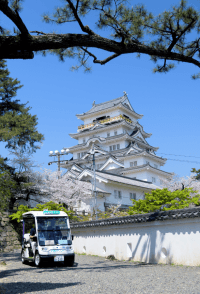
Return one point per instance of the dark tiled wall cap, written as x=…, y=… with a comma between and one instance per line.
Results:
x=141, y=218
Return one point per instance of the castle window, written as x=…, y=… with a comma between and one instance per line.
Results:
x=117, y=194
x=155, y=165
x=134, y=163
x=153, y=180
x=114, y=147
x=108, y=134
x=115, y=133
x=79, y=155
x=133, y=196
x=83, y=140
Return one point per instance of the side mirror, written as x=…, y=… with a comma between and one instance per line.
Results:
x=72, y=237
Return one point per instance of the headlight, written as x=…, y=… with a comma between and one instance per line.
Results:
x=45, y=249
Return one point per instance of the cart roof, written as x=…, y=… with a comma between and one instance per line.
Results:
x=49, y=213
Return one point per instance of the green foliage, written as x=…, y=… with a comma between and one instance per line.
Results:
x=7, y=185
x=17, y=126
x=101, y=215
x=134, y=25
x=40, y=207
x=173, y=35
x=163, y=199
x=197, y=172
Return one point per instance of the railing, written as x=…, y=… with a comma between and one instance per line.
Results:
x=104, y=121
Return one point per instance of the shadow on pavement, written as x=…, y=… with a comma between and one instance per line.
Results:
x=25, y=287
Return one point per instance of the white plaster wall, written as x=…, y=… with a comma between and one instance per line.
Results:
x=125, y=192
x=139, y=175
x=146, y=176
x=132, y=159
x=174, y=241
x=123, y=144
x=151, y=162
x=80, y=140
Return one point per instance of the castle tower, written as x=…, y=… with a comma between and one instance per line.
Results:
x=124, y=156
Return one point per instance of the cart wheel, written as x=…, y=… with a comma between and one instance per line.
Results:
x=22, y=257
x=37, y=260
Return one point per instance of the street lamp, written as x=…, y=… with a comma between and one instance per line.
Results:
x=58, y=154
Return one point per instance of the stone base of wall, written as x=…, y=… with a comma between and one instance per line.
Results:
x=9, y=238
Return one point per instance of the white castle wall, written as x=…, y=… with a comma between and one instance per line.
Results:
x=172, y=241
x=125, y=192
x=140, y=160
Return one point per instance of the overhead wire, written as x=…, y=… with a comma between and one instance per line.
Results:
x=178, y=155
x=189, y=161
x=183, y=160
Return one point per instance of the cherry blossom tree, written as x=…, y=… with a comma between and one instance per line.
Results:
x=180, y=183
x=63, y=188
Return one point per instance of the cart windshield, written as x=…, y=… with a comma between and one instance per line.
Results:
x=53, y=231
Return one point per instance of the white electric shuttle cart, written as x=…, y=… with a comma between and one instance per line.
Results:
x=52, y=240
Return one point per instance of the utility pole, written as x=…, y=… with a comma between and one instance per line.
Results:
x=58, y=156
x=94, y=175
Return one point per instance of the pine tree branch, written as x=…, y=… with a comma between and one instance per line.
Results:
x=95, y=60
x=176, y=39
x=14, y=17
x=85, y=29
x=11, y=46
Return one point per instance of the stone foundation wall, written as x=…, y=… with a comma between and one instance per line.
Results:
x=9, y=237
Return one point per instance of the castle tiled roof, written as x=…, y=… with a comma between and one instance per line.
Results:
x=171, y=215
x=109, y=104
x=121, y=179
x=105, y=105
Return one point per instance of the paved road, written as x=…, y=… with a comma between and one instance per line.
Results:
x=96, y=275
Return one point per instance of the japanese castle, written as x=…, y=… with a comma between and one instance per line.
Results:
x=126, y=166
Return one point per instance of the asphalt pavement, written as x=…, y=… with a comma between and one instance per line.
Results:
x=92, y=274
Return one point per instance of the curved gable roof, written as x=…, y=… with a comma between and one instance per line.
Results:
x=111, y=160
x=108, y=104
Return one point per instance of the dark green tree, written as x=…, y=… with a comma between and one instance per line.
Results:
x=7, y=187
x=163, y=199
x=18, y=128
x=171, y=36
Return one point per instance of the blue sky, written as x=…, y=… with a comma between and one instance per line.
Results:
x=169, y=102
